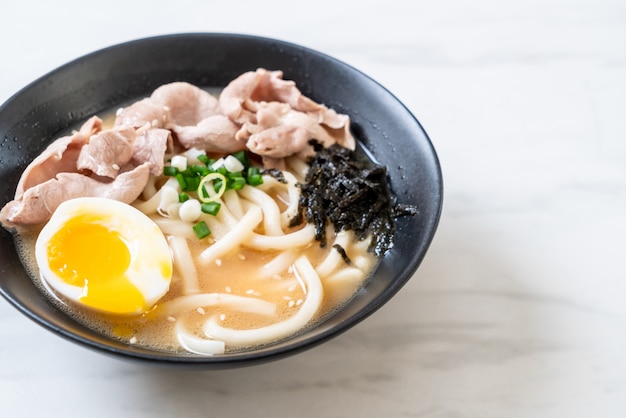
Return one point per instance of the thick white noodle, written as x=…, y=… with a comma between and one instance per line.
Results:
x=360, y=247
x=299, y=238
x=233, y=203
x=218, y=229
x=280, y=330
x=225, y=216
x=278, y=264
x=171, y=226
x=184, y=264
x=298, y=166
x=151, y=205
x=197, y=345
x=344, y=283
x=294, y=200
x=271, y=212
x=288, y=193
x=348, y=274
x=333, y=260
x=150, y=189
x=234, y=237
x=192, y=302
x=363, y=263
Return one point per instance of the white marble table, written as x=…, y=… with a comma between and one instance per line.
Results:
x=519, y=307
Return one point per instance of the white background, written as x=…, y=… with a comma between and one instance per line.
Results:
x=518, y=309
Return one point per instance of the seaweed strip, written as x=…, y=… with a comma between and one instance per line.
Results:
x=351, y=194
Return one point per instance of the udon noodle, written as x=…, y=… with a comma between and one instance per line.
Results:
x=259, y=281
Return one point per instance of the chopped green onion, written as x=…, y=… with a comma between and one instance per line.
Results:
x=236, y=183
x=203, y=159
x=217, y=185
x=212, y=208
x=208, y=194
x=170, y=171
x=200, y=169
x=242, y=157
x=192, y=183
x=183, y=197
x=181, y=181
x=201, y=230
x=255, y=179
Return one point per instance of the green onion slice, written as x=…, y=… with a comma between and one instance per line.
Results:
x=211, y=208
x=201, y=230
x=213, y=194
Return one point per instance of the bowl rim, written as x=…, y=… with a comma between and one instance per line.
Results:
x=271, y=352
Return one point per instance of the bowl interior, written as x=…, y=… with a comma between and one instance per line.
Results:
x=101, y=80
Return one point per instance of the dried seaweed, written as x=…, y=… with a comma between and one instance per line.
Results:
x=352, y=194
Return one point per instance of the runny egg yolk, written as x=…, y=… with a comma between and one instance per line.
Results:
x=104, y=255
x=87, y=254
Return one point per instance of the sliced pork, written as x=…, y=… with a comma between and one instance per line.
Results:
x=213, y=134
x=38, y=203
x=281, y=131
x=258, y=111
x=60, y=156
x=142, y=113
x=192, y=115
x=107, y=152
x=150, y=146
x=277, y=120
x=187, y=104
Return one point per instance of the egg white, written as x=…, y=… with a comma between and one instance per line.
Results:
x=149, y=251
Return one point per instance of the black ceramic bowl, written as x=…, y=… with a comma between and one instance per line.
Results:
x=99, y=81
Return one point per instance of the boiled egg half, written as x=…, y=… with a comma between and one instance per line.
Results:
x=104, y=255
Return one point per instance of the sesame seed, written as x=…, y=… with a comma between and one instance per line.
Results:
x=171, y=319
x=201, y=311
x=222, y=317
x=218, y=261
x=242, y=257
x=228, y=289
x=291, y=303
x=133, y=340
x=299, y=302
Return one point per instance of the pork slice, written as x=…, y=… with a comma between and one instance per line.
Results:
x=38, y=203
x=277, y=120
x=60, y=156
x=282, y=131
x=150, y=147
x=241, y=97
x=213, y=134
x=141, y=113
x=236, y=95
x=187, y=104
x=107, y=151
